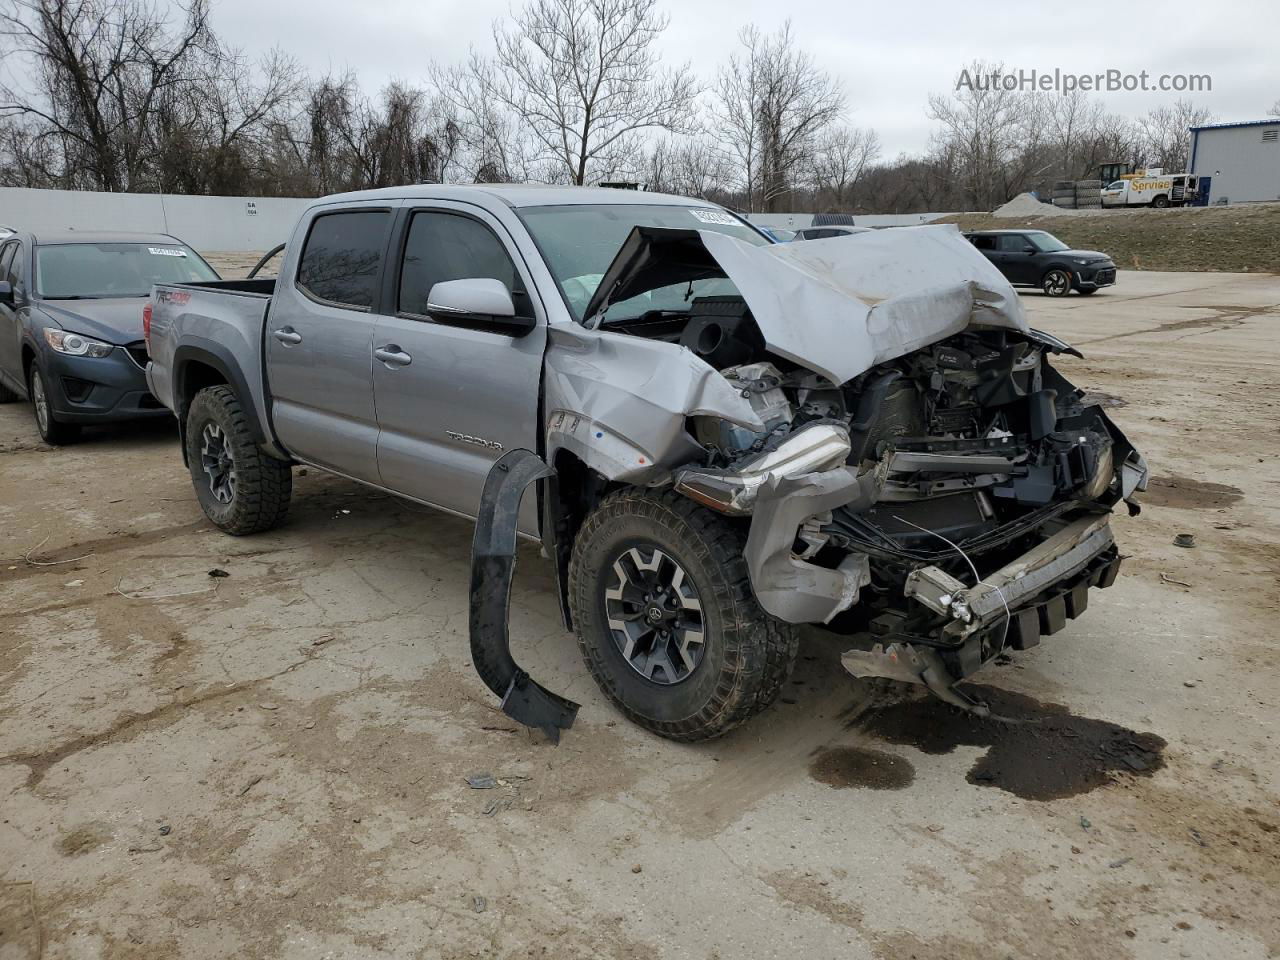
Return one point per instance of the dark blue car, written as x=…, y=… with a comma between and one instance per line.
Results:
x=71, y=338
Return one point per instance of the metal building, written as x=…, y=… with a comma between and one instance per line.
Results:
x=1242, y=158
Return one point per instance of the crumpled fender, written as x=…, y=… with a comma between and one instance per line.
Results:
x=787, y=587
x=493, y=561
x=619, y=402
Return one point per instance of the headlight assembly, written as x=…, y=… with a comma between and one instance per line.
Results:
x=1103, y=474
x=75, y=345
x=812, y=448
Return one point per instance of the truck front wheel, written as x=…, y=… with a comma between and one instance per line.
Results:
x=667, y=621
x=240, y=488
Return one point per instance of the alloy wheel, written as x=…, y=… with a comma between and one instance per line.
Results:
x=654, y=613
x=218, y=463
x=39, y=401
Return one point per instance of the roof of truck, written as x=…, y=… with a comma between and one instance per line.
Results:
x=516, y=194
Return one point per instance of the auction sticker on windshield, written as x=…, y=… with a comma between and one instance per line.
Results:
x=714, y=216
x=166, y=252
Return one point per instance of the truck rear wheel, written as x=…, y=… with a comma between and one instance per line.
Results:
x=240, y=488
x=1160, y=201
x=666, y=619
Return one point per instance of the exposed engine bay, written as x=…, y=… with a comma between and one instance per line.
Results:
x=880, y=417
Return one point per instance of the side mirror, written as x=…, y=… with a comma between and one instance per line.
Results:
x=477, y=301
x=6, y=293
x=1028, y=249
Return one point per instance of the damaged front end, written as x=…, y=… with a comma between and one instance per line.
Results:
x=878, y=415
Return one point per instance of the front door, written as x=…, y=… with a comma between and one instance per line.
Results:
x=453, y=396
x=319, y=343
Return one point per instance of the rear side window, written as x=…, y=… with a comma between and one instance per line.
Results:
x=449, y=246
x=983, y=243
x=342, y=256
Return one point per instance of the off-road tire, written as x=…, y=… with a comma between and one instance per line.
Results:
x=1056, y=283
x=263, y=484
x=747, y=656
x=52, y=430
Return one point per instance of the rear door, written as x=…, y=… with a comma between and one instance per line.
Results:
x=319, y=341
x=459, y=394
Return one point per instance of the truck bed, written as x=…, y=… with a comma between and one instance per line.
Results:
x=219, y=324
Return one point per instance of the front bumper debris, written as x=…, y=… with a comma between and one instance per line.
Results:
x=1014, y=606
x=493, y=553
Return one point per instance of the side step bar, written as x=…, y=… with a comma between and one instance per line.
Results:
x=493, y=561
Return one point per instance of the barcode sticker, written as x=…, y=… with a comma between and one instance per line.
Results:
x=714, y=216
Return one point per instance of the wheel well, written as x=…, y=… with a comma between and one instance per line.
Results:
x=577, y=491
x=195, y=377
x=28, y=357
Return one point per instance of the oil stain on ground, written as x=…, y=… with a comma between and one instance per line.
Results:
x=1037, y=751
x=860, y=767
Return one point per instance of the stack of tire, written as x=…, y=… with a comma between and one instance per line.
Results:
x=1088, y=194
x=1064, y=194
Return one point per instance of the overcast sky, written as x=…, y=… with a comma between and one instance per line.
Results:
x=890, y=56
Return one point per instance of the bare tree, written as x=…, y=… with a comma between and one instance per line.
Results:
x=101, y=68
x=690, y=167
x=772, y=103
x=841, y=159
x=992, y=137
x=583, y=79
x=1165, y=134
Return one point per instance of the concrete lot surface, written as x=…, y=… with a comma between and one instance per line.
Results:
x=273, y=763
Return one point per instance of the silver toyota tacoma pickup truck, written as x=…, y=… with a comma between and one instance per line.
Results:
x=730, y=437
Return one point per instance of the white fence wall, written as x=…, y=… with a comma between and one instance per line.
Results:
x=206, y=223
x=796, y=221
x=243, y=223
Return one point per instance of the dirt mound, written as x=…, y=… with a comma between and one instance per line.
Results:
x=1025, y=205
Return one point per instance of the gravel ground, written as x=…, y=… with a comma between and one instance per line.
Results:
x=273, y=763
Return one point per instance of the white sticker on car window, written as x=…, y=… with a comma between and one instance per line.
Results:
x=166, y=252
x=714, y=216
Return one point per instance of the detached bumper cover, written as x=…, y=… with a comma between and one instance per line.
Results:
x=493, y=560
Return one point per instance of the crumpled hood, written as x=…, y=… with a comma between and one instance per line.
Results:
x=837, y=307
x=113, y=320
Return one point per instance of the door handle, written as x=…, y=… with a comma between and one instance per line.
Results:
x=287, y=335
x=393, y=356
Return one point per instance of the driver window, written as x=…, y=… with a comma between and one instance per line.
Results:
x=1013, y=243
x=451, y=246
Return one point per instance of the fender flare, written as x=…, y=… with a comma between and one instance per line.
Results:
x=217, y=356
x=493, y=561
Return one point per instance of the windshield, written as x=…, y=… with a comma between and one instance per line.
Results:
x=580, y=241
x=1046, y=242
x=92, y=271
